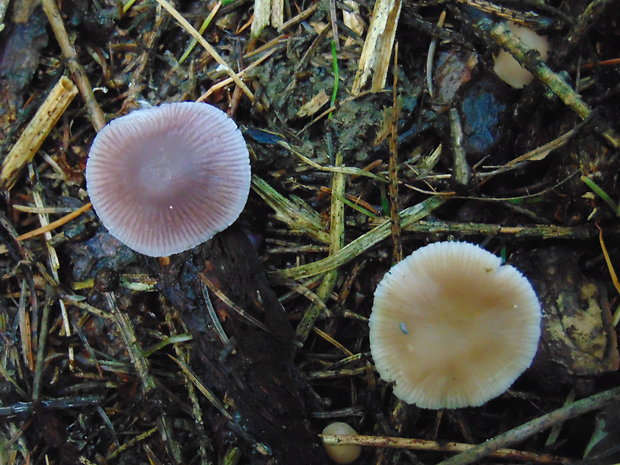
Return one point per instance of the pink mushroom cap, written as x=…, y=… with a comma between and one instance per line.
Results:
x=167, y=178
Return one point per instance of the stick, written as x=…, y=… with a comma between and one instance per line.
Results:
x=37, y=130
x=537, y=425
x=71, y=60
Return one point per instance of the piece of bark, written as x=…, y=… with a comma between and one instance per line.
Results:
x=254, y=372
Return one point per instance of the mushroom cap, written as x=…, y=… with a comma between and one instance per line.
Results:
x=453, y=327
x=508, y=69
x=167, y=178
x=342, y=453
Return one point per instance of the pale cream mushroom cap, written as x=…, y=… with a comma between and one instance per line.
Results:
x=508, y=69
x=452, y=327
x=345, y=453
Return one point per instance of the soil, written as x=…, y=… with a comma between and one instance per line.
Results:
x=242, y=349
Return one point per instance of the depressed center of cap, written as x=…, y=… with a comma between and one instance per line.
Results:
x=165, y=179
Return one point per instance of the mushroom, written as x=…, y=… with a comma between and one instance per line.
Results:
x=508, y=69
x=167, y=178
x=453, y=327
x=341, y=453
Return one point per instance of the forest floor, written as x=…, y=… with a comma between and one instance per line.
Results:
x=372, y=130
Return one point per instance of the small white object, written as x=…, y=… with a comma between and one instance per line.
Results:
x=342, y=453
x=508, y=69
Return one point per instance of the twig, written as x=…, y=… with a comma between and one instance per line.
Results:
x=439, y=446
x=542, y=231
x=554, y=434
x=304, y=290
x=220, y=85
x=461, y=174
x=8, y=377
x=77, y=72
x=531, y=60
x=540, y=153
x=517, y=16
x=397, y=246
x=136, y=354
x=130, y=443
x=183, y=356
x=338, y=373
x=535, y=426
x=25, y=329
x=300, y=17
x=580, y=28
x=341, y=169
x=140, y=64
x=213, y=400
x=36, y=132
x=54, y=265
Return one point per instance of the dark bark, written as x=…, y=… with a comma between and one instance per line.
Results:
x=255, y=370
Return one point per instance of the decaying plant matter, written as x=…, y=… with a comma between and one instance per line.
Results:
x=373, y=129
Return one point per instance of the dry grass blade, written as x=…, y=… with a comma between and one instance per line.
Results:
x=361, y=244
x=230, y=304
x=333, y=169
x=337, y=220
x=207, y=46
x=214, y=401
x=142, y=367
x=166, y=367
x=610, y=265
x=55, y=224
x=298, y=217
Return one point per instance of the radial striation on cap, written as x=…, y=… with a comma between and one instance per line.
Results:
x=165, y=179
x=453, y=327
